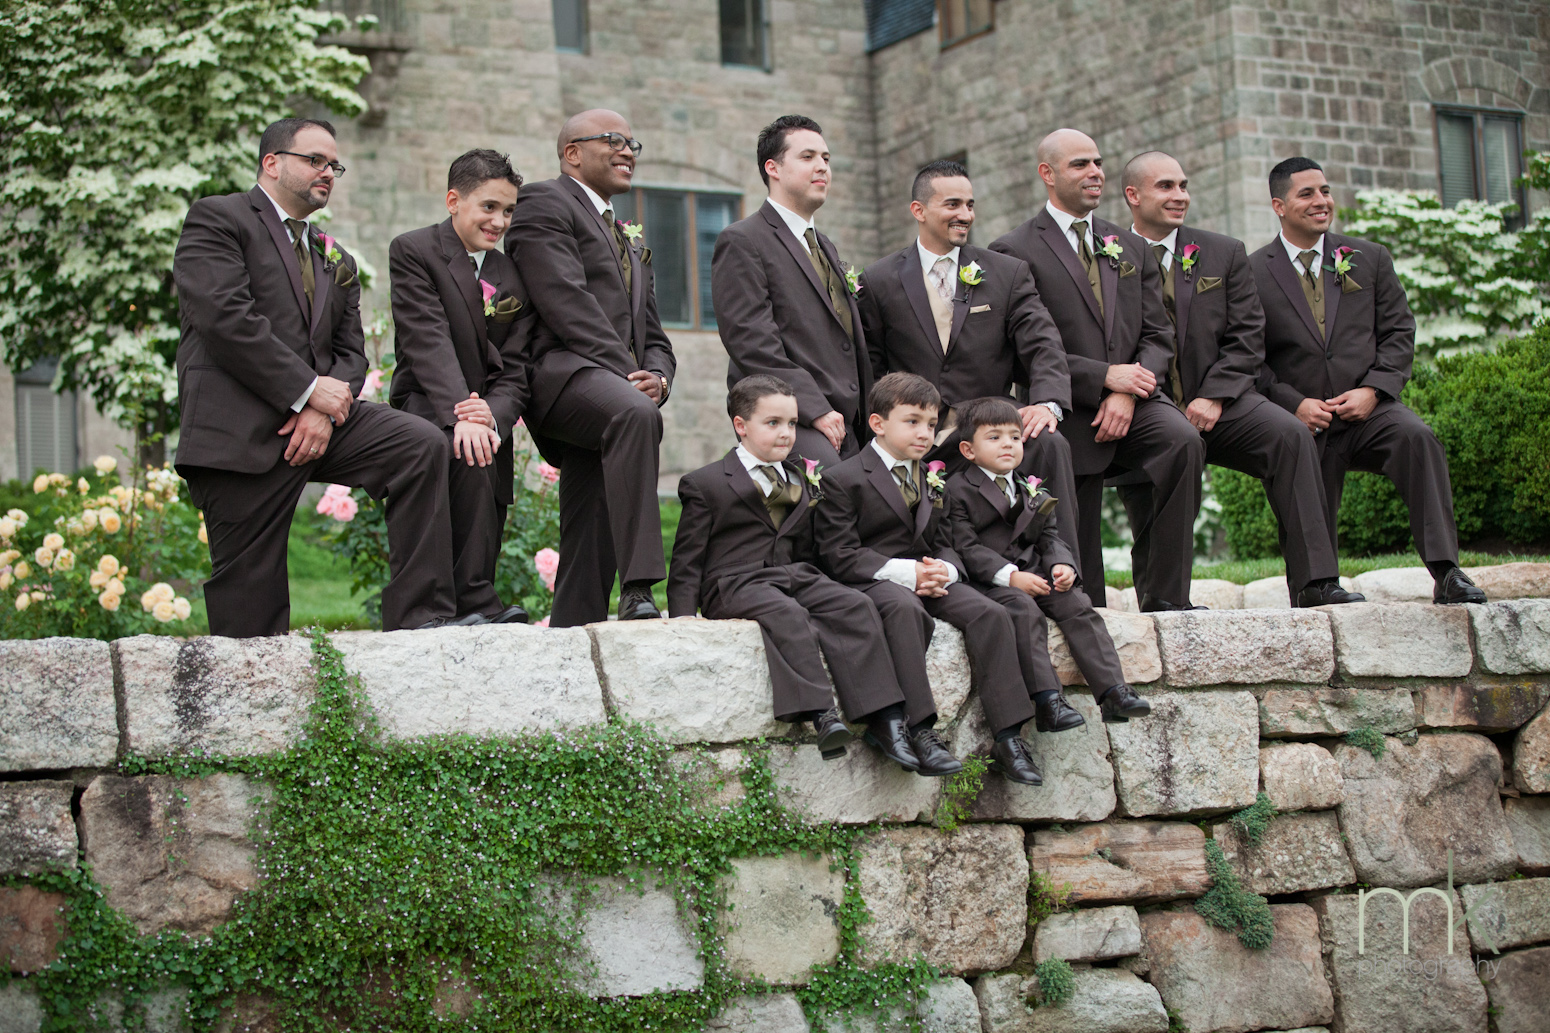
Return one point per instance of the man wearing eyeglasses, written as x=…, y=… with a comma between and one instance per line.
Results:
x=269, y=365
x=601, y=368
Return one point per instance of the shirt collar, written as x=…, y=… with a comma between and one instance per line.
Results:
x=1292, y=251
x=1011, y=486
x=750, y=461
x=890, y=460
x=592, y=195
x=929, y=258
x=285, y=215
x=478, y=257
x=1170, y=243
x=1064, y=219
x=793, y=221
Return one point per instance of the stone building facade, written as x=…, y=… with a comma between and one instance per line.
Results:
x=1228, y=87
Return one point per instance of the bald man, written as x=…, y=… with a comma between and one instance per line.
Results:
x=601, y=369
x=1103, y=287
x=1219, y=329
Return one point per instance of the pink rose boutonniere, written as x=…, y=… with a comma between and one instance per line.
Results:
x=489, y=292
x=1187, y=258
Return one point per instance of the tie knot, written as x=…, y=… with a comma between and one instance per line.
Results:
x=811, y=236
x=1159, y=250
x=1310, y=261
x=608, y=216
x=297, y=227
x=1002, y=483
x=1079, y=225
x=772, y=474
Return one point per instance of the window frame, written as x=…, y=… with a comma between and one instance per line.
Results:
x=766, y=44
x=586, y=30
x=1478, y=116
x=946, y=43
x=691, y=236
x=31, y=386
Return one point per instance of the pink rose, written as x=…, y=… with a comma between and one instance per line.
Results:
x=1034, y=482
x=373, y=384
x=548, y=563
x=345, y=509
x=936, y=467
x=337, y=503
x=541, y=624
x=550, y=474
x=488, y=291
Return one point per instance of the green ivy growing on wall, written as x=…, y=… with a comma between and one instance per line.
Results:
x=394, y=873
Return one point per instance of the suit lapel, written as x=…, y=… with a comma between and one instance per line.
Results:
x=1332, y=290
x=1183, y=291
x=881, y=478
x=282, y=242
x=1108, y=281
x=1024, y=516
x=322, y=283
x=914, y=284
x=743, y=485
x=799, y=255
x=1285, y=276
x=794, y=515
x=1061, y=246
x=923, y=507
x=462, y=269
x=989, y=491
x=603, y=229
x=960, y=307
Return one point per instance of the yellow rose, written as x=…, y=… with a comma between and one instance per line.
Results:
x=43, y=557
x=148, y=601
x=23, y=600
x=9, y=556
x=5, y=580
x=181, y=607
x=114, y=586
x=82, y=486
x=204, y=535
x=38, y=597
x=65, y=560
x=97, y=579
x=7, y=527
x=109, y=521
x=108, y=564
x=89, y=520
x=163, y=611
x=75, y=529
x=53, y=541
x=105, y=464
x=21, y=570
x=18, y=516
x=109, y=601
x=40, y=485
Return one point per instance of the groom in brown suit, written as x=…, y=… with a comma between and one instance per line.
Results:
x=1339, y=343
x=784, y=304
x=602, y=367
x=269, y=365
x=1103, y=286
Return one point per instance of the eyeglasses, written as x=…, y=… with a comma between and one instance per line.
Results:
x=616, y=141
x=317, y=161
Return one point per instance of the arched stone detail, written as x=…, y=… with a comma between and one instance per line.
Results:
x=1444, y=81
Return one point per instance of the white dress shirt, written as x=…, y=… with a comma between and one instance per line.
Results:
x=1064, y=220
x=478, y=257
x=596, y=198
x=1292, y=251
x=1003, y=576
x=794, y=222
x=1170, y=244
x=751, y=463
x=902, y=571
x=301, y=403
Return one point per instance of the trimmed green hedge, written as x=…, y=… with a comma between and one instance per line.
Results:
x=1491, y=410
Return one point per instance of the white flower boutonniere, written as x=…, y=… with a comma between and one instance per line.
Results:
x=1111, y=249
x=632, y=231
x=1342, y=264
x=971, y=274
x=935, y=482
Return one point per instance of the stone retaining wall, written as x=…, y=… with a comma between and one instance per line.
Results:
x=1245, y=700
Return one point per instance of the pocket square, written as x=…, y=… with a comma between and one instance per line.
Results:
x=1126, y=269
x=344, y=276
x=979, y=308
x=506, y=309
x=1348, y=285
x=645, y=256
x=1208, y=283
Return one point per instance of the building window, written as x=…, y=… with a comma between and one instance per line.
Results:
x=570, y=26
x=958, y=20
x=680, y=227
x=889, y=21
x=45, y=423
x=1480, y=156
x=745, y=37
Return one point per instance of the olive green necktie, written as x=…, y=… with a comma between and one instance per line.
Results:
x=1004, y=485
x=1089, y=261
x=781, y=496
x=1175, y=382
x=1313, y=286
x=299, y=242
x=839, y=299
x=621, y=244
x=905, y=475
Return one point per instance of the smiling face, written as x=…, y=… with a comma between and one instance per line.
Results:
x=596, y=163
x=946, y=218
x=482, y=216
x=998, y=447
x=799, y=178
x=771, y=430
x=292, y=181
x=907, y=432
x=1307, y=209
x=1159, y=197
x=1072, y=170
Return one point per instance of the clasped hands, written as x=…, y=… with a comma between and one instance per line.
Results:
x=327, y=407
x=1125, y=383
x=930, y=577
x=1062, y=573
x=1352, y=406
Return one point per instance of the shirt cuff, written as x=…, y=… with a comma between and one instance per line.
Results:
x=301, y=403
x=1055, y=410
x=952, y=574
x=1003, y=578
x=901, y=572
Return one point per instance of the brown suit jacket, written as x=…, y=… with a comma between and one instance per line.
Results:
x=1001, y=332
x=1371, y=331
x=862, y=521
x=248, y=348
x=570, y=264
x=446, y=347
x=725, y=530
x=774, y=316
x=1134, y=326
x=988, y=534
x=1219, y=324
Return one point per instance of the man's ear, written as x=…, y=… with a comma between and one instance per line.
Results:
x=875, y=422
x=453, y=197
x=1278, y=206
x=967, y=449
x=740, y=426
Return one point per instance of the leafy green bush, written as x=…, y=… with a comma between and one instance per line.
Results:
x=1057, y=982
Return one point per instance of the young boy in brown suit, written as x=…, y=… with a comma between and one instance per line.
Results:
x=1004, y=530
x=745, y=549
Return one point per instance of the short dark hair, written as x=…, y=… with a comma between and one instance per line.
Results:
x=772, y=139
x=1281, y=175
x=744, y=397
x=280, y=135
x=472, y=169
x=898, y=389
x=986, y=412
x=922, y=189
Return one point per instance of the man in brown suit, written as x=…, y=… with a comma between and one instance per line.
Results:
x=601, y=368
x=784, y=304
x=971, y=340
x=1339, y=343
x=461, y=323
x=269, y=365
x=1103, y=287
x=1219, y=329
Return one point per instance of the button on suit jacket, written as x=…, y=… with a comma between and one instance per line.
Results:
x=775, y=316
x=1001, y=331
x=988, y=534
x=248, y=349
x=863, y=521
x=446, y=347
x=569, y=261
x=1133, y=327
x=1371, y=331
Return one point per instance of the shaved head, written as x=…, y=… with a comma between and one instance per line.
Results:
x=1144, y=167
x=588, y=123
x=1072, y=170
x=1157, y=192
x=1056, y=145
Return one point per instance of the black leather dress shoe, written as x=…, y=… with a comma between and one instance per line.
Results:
x=1164, y=606
x=1120, y=703
x=512, y=614
x=636, y=604
x=468, y=620
x=1328, y=594
x=1455, y=587
x=891, y=737
x=935, y=760
x=1013, y=760
x=832, y=734
x=1056, y=715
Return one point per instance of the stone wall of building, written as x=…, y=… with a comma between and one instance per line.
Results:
x=1244, y=701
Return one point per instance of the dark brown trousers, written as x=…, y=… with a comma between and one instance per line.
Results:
x=477, y=524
